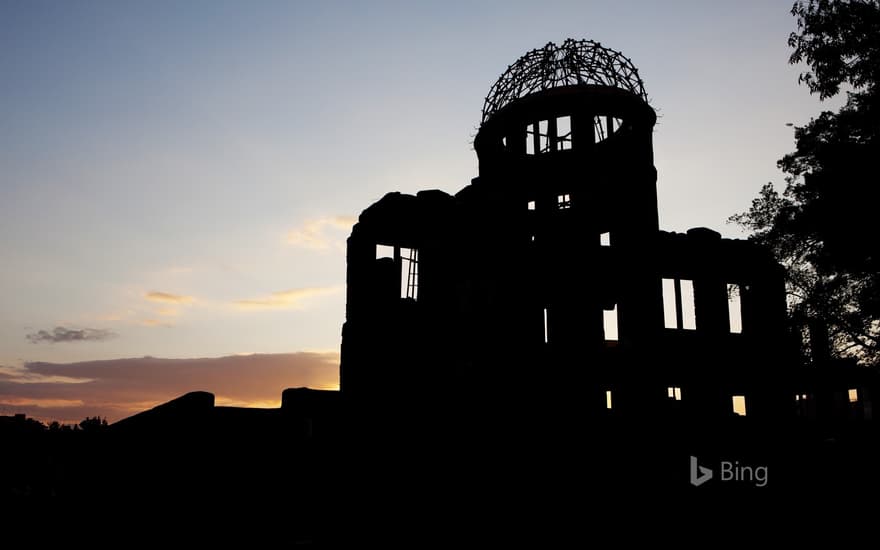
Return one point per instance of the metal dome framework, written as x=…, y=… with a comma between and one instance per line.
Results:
x=574, y=62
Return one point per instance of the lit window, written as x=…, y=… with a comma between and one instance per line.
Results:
x=563, y=202
x=563, y=133
x=739, y=405
x=674, y=393
x=608, y=399
x=605, y=239
x=734, y=308
x=678, y=304
x=531, y=205
x=504, y=142
x=610, y=324
x=853, y=395
x=409, y=273
x=800, y=397
x=384, y=251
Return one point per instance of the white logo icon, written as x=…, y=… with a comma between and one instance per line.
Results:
x=699, y=474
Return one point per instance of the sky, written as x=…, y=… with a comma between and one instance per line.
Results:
x=177, y=179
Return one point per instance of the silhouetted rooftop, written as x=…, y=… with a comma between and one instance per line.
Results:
x=575, y=62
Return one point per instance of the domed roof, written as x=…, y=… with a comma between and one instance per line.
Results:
x=574, y=62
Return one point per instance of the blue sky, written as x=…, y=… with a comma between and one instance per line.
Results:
x=180, y=176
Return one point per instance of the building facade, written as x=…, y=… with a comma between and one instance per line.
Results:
x=547, y=280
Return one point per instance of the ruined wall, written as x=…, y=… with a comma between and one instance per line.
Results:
x=547, y=285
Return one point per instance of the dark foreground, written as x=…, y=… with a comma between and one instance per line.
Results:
x=368, y=479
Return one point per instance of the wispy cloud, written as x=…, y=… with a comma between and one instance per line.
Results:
x=156, y=323
x=23, y=375
x=287, y=299
x=171, y=303
x=63, y=334
x=322, y=233
x=168, y=298
x=120, y=387
x=31, y=402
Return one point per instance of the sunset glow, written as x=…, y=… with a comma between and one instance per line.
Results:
x=180, y=182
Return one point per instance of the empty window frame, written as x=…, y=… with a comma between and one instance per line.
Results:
x=739, y=405
x=538, y=137
x=563, y=201
x=604, y=126
x=384, y=251
x=531, y=130
x=546, y=328
x=609, y=323
x=734, y=308
x=673, y=393
x=605, y=239
x=563, y=133
x=678, y=304
x=409, y=273
x=543, y=136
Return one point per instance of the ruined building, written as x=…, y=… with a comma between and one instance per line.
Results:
x=547, y=282
x=489, y=334
x=545, y=289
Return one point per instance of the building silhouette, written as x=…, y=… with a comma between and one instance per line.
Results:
x=535, y=332
x=543, y=300
x=545, y=289
x=548, y=277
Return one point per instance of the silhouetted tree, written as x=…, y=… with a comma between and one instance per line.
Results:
x=93, y=424
x=823, y=226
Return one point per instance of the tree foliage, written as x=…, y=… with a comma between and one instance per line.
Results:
x=823, y=226
x=93, y=424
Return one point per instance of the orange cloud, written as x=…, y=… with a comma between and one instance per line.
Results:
x=156, y=323
x=27, y=402
x=118, y=388
x=286, y=299
x=318, y=234
x=168, y=298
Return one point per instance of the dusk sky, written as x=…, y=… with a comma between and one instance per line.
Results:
x=177, y=179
